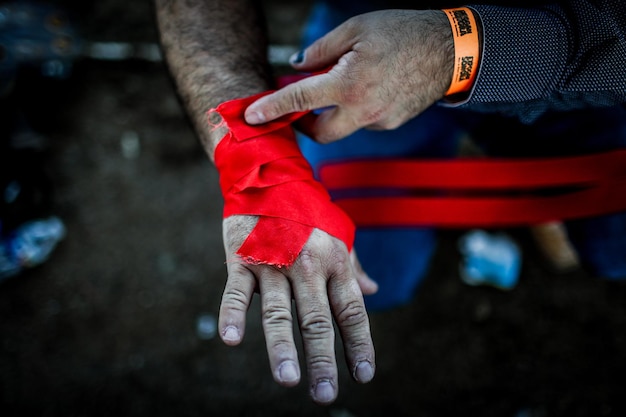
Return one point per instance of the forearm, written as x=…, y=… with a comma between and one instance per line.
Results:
x=216, y=50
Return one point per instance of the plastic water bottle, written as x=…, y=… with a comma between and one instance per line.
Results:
x=489, y=259
x=29, y=245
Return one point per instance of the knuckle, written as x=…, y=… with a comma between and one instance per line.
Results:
x=322, y=250
x=383, y=119
x=299, y=99
x=326, y=136
x=350, y=25
x=315, y=323
x=373, y=117
x=322, y=254
x=276, y=315
x=308, y=261
x=320, y=361
x=235, y=299
x=392, y=122
x=353, y=314
x=339, y=260
x=281, y=346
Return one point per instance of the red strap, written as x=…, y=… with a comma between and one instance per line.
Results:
x=484, y=212
x=482, y=192
x=476, y=173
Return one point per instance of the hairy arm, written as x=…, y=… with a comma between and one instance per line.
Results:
x=216, y=51
x=390, y=65
x=385, y=66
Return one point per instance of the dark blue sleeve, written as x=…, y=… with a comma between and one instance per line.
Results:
x=557, y=57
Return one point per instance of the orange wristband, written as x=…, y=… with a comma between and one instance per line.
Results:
x=466, y=49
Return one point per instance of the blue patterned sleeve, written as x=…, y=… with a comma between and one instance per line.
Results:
x=557, y=57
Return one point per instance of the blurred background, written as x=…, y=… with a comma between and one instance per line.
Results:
x=115, y=212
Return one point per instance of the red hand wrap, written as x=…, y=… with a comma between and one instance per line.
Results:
x=263, y=173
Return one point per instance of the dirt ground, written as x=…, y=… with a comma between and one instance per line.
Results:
x=108, y=326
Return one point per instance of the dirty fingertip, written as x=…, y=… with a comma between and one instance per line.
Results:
x=231, y=335
x=364, y=372
x=288, y=372
x=324, y=392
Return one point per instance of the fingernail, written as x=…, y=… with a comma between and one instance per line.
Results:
x=324, y=392
x=364, y=371
x=255, y=118
x=231, y=334
x=297, y=58
x=288, y=372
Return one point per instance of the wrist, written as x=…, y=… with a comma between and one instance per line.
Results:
x=465, y=35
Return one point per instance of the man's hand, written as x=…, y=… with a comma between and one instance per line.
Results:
x=386, y=67
x=326, y=282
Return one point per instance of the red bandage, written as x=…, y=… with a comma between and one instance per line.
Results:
x=263, y=173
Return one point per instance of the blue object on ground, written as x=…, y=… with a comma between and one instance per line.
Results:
x=490, y=259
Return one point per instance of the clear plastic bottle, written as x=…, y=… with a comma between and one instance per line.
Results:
x=29, y=245
x=489, y=259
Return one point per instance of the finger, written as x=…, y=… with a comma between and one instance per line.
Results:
x=310, y=93
x=316, y=328
x=326, y=50
x=305, y=123
x=235, y=303
x=331, y=125
x=367, y=285
x=278, y=326
x=353, y=323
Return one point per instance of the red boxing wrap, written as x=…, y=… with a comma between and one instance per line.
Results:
x=263, y=173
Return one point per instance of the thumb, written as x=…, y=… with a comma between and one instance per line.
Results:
x=322, y=53
x=368, y=286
